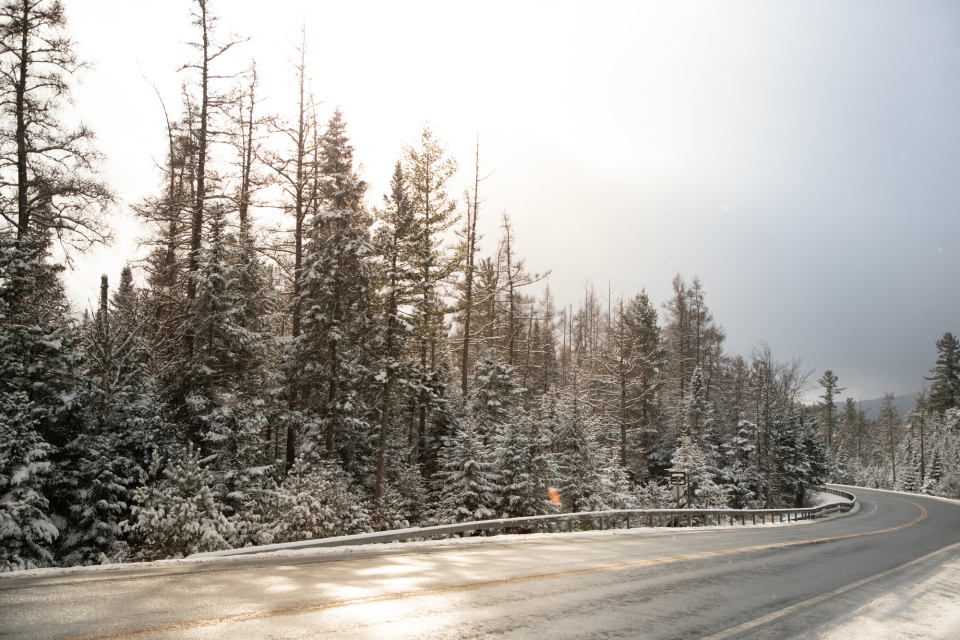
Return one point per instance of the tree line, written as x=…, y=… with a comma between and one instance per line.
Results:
x=291, y=360
x=919, y=452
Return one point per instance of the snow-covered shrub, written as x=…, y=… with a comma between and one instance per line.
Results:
x=179, y=516
x=316, y=501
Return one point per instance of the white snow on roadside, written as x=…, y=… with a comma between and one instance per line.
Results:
x=927, y=609
x=826, y=498
x=400, y=546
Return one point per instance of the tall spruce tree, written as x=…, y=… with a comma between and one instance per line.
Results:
x=392, y=243
x=331, y=358
x=830, y=393
x=945, y=385
x=428, y=171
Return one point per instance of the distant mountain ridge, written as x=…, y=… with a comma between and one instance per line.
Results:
x=903, y=403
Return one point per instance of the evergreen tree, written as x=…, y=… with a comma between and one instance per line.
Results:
x=580, y=482
x=409, y=504
x=698, y=419
x=520, y=467
x=640, y=316
x=855, y=427
x=392, y=245
x=936, y=465
x=39, y=390
x=465, y=483
x=27, y=531
x=330, y=359
x=619, y=492
x=817, y=467
x=888, y=423
x=790, y=463
x=497, y=397
x=179, y=515
x=617, y=394
x=830, y=393
x=428, y=173
x=317, y=501
x=945, y=386
x=123, y=425
x=701, y=490
x=909, y=479
x=741, y=484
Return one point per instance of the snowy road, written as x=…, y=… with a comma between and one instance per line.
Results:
x=838, y=578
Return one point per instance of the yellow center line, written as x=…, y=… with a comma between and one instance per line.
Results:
x=336, y=604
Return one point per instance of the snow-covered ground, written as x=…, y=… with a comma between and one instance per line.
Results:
x=823, y=498
x=826, y=498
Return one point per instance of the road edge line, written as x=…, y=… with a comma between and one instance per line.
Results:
x=746, y=626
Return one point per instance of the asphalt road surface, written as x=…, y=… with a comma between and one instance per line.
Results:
x=813, y=579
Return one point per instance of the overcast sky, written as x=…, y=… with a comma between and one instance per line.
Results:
x=802, y=158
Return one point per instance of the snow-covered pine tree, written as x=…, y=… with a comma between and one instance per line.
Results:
x=39, y=391
x=909, y=477
x=619, y=491
x=178, y=515
x=615, y=391
x=936, y=465
x=655, y=496
x=640, y=316
x=123, y=426
x=580, y=482
x=830, y=392
x=692, y=340
x=698, y=419
x=27, y=532
x=235, y=392
x=789, y=465
x=410, y=502
x=317, y=501
x=815, y=453
x=701, y=490
x=497, y=397
x=945, y=386
x=841, y=465
x=740, y=485
x=428, y=172
x=330, y=360
x=520, y=468
x=394, y=279
x=465, y=483
x=929, y=487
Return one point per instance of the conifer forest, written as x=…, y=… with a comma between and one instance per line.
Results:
x=296, y=357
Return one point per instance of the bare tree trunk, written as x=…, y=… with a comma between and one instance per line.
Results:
x=471, y=250
x=196, y=229
x=23, y=207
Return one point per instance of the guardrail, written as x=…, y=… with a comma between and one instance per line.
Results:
x=552, y=523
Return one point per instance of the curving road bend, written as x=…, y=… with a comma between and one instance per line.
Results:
x=843, y=577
